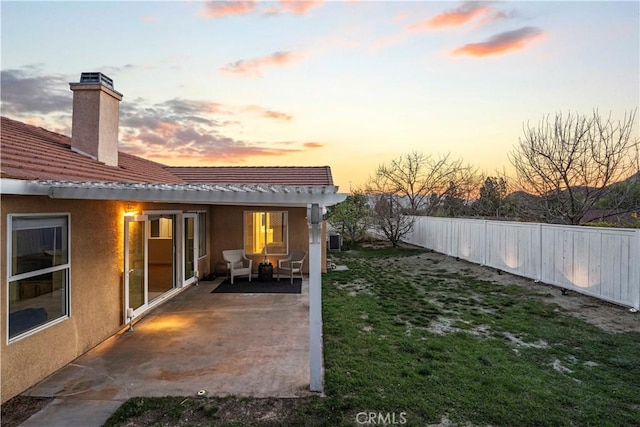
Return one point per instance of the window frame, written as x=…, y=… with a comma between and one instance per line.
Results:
x=202, y=233
x=161, y=227
x=10, y=277
x=244, y=231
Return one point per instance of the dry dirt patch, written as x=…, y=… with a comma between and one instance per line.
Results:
x=217, y=411
x=17, y=410
x=607, y=316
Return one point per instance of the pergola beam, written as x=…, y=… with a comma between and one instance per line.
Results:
x=222, y=194
x=314, y=217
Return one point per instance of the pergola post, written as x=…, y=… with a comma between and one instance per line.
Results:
x=314, y=218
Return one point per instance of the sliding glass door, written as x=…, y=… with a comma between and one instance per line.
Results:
x=135, y=263
x=160, y=255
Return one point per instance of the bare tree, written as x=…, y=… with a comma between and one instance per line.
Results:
x=389, y=212
x=569, y=162
x=389, y=218
x=425, y=180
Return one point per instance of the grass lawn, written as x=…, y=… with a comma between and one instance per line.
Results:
x=409, y=342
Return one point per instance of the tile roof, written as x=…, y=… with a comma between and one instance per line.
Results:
x=280, y=175
x=33, y=153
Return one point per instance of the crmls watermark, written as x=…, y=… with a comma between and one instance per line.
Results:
x=381, y=418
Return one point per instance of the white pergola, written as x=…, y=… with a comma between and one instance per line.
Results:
x=314, y=198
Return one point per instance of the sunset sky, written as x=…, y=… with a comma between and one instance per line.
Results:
x=350, y=84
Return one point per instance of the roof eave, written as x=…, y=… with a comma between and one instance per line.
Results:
x=214, y=194
x=23, y=187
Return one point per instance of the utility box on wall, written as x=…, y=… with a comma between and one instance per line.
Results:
x=335, y=242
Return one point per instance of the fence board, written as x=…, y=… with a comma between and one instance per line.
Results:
x=602, y=262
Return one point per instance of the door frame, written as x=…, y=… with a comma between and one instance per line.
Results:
x=142, y=219
x=178, y=254
x=184, y=280
x=176, y=248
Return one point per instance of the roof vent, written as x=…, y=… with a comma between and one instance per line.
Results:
x=96, y=78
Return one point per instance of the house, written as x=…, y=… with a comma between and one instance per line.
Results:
x=96, y=237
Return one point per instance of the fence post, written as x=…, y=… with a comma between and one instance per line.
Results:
x=539, y=273
x=450, y=244
x=484, y=243
x=637, y=271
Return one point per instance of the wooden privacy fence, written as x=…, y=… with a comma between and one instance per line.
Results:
x=602, y=262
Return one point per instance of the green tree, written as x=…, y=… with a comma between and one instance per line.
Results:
x=351, y=218
x=623, y=196
x=492, y=198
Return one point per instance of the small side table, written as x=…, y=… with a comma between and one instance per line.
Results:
x=265, y=272
x=222, y=269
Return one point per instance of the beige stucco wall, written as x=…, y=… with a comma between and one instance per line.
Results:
x=227, y=233
x=96, y=292
x=96, y=257
x=96, y=309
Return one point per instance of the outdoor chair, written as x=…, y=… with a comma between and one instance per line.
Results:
x=237, y=263
x=292, y=264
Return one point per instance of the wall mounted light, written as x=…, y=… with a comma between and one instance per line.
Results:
x=131, y=209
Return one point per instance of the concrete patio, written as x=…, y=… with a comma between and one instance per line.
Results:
x=226, y=344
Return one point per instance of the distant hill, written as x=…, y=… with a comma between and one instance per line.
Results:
x=531, y=207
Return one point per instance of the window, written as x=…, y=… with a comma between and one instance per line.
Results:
x=38, y=271
x=161, y=227
x=202, y=234
x=266, y=233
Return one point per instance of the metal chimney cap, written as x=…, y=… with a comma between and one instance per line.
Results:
x=97, y=78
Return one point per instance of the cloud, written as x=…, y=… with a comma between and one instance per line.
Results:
x=402, y=16
x=252, y=67
x=299, y=7
x=219, y=9
x=28, y=92
x=185, y=106
x=452, y=18
x=501, y=43
x=175, y=112
x=180, y=131
x=194, y=146
x=184, y=131
x=186, y=141
x=313, y=145
x=389, y=41
x=277, y=115
x=266, y=113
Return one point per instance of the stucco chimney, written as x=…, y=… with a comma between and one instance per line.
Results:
x=96, y=113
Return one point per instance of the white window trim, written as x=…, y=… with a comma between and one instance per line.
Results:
x=174, y=212
x=152, y=237
x=206, y=251
x=10, y=278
